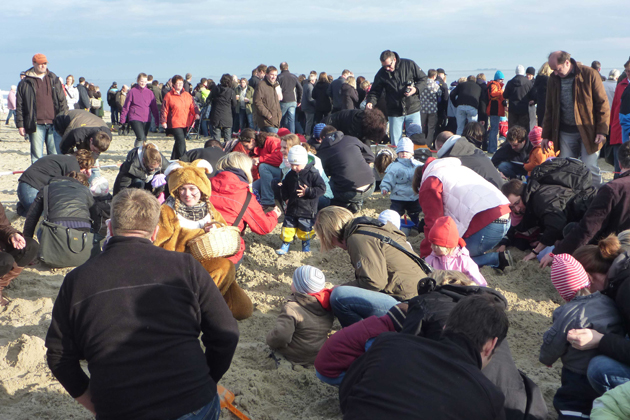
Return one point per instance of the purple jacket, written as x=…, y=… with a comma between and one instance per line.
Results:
x=137, y=105
x=11, y=100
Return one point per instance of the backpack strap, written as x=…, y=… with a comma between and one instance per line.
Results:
x=385, y=239
x=242, y=213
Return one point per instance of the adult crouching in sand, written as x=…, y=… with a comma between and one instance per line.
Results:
x=185, y=215
x=230, y=194
x=384, y=274
x=16, y=252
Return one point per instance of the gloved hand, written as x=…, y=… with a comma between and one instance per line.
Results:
x=158, y=181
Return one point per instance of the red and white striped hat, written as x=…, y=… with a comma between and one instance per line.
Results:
x=568, y=276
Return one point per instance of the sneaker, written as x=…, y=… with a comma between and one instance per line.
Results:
x=306, y=245
x=505, y=260
x=284, y=248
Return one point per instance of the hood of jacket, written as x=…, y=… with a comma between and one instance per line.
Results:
x=463, y=147
x=519, y=80
x=332, y=139
x=229, y=182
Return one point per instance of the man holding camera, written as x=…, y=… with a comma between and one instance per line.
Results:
x=402, y=80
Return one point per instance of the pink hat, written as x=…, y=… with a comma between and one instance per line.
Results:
x=535, y=136
x=568, y=276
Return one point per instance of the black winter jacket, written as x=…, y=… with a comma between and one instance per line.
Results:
x=507, y=154
x=305, y=206
x=25, y=101
x=472, y=158
x=84, y=97
x=132, y=169
x=43, y=170
x=346, y=162
x=395, y=83
x=322, y=100
x=348, y=121
x=467, y=93
x=308, y=103
x=223, y=101
x=538, y=94
x=617, y=346
x=349, y=97
x=210, y=154
x=517, y=93
x=334, y=92
x=291, y=87
x=68, y=199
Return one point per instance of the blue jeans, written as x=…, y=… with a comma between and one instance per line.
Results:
x=268, y=174
x=244, y=116
x=11, y=114
x=210, y=411
x=605, y=373
x=26, y=195
x=464, y=114
x=43, y=134
x=615, y=148
x=114, y=115
x=269, y=130
x=204, y=127
x=484, y=240
x=331, y=381
x=511, y=170
x=396, y=125
x=352, y=304
x=288, y=115
x=493, y=135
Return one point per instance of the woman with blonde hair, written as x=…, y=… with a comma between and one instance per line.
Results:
x=538, y=93
x=349, y=94
x=231, y=194
x=384, y=273
x=187, y=214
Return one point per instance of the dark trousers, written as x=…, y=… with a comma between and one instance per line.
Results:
x=114, y=114
x=412, y=208
x=141, y=129
x=518, y=119
x=575, y=395
x=319, y=116
x=225, y=132
x=429, y=122
x=351, y=200
x=179, y=148
x=22, y=257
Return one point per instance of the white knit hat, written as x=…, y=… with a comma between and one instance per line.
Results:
x=404, y=145
x=308, y=279
x=520, y=70
x=390, y=216
x=298, y=155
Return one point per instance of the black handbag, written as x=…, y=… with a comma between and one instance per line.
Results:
x=61, y=246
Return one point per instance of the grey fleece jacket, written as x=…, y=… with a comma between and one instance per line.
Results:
x=594, y=311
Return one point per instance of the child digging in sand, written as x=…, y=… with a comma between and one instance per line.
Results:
x=306, y=319
x=302, y=187
x=449, y=251
x=583, y=309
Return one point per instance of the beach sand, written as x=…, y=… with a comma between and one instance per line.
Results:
x=264, y=390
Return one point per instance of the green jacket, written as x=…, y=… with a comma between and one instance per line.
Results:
x=613, y=405
x=249, y=94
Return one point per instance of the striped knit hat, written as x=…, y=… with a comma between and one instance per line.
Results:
x=568, y=276
x=535, y=136
x=308, y=279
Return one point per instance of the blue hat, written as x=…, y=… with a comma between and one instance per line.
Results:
x=499, y=75
x=308, y=279
x=317, y=130
x=414, y=129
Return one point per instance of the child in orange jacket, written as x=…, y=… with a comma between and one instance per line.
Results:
x=537, y=155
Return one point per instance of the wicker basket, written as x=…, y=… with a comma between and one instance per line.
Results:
x=223, y=241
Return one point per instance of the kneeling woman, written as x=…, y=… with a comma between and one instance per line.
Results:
x=185, y=215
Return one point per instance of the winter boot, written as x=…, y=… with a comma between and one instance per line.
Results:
x=306, y=245
x=283, y=249
x=6, y=279
x=505, y=260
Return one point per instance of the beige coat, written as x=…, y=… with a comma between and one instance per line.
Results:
x=301, y=329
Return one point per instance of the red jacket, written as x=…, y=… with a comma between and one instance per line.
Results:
x=228, y=196
x=270, y=153
x=348, y=344
x=240, y=148
x=495, y=97
x=615, y=127
x=178, y=110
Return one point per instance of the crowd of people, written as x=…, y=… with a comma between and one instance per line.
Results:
x=420, y=327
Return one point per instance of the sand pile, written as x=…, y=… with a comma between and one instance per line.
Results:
x=264, y=389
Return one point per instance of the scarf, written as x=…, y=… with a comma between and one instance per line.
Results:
x=194, y=213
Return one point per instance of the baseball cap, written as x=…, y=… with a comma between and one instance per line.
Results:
x=441, y=70
x=40, y=59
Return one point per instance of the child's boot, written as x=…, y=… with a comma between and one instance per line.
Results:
x=283, y=249
x=306, y=245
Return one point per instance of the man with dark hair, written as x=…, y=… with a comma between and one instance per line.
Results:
x=291, y=96
x=111, y=101
x=366, y=125
x=398, y=377
x=82, y=130
x=577, y=112
x=513, y=153
x=334, y=90
x=597, y=66
x=429, y=107
x=516, y=93
x=40, y=98
x=608, y=213
x=257, y=75
x=442, y=100
x=402, y=80
x=84, y=97
x=211, y=152
x=267, y=111
x=188, y=83
x=137, y=325
x=466, y=97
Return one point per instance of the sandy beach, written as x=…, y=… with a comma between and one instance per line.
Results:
x=264, y=389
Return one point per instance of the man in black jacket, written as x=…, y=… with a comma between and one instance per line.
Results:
x=402, y=80
x=84, y=97
x=291, y=96
x=404, y=377
x=366, y=125
x=135, y=312
x=450, y=145
x=346, y=161
x=517, y=94
x=111, y=101
x=211, y=152
x=334, y=90
x=442, y=100
x=40, y=98
x=467, y=98
x=83, y=130
x=513, y=153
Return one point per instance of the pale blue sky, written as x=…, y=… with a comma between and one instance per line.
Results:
x=106, y=40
